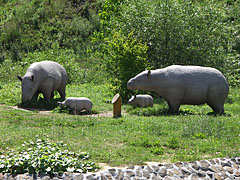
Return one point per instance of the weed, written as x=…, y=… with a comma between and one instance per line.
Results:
x=173, y=143
x=157, y=150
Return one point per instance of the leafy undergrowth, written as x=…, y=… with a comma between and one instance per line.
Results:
x=43, y=157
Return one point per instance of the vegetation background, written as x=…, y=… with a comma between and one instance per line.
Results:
x=102, y=44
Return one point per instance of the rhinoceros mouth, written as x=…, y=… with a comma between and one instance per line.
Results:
x=130, y=85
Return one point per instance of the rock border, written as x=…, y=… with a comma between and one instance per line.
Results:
x=215, y=169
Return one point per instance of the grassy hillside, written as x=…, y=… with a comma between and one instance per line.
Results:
x=96, y=40
x=28, y=26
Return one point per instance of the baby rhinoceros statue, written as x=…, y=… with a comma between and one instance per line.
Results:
x=178, y=85
x=144, y=100
x=43, y=77
x=78, y=104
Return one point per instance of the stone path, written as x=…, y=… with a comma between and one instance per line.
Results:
x=216, y=169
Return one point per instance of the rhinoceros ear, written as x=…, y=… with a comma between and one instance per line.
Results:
x=149, y=74
x=19, y=77
x=32, y=77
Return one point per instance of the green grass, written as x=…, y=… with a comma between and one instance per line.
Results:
x=141, y=135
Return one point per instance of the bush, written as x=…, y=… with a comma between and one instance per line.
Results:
x=124, y=57
x=176, y=32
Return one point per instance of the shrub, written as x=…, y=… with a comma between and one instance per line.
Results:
x=176, y=32
x=124, y=57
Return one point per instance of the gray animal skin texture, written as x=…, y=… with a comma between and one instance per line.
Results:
x=43, y=77
x=78, y=104
x=143, y=100
x=178, y=85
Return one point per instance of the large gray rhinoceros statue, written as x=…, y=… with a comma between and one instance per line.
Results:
x=43, y=77
x=178, y=85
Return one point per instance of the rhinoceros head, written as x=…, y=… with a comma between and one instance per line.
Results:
x=140, y=81
x=29, y=86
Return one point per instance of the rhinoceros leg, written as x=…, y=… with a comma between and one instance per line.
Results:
x=47, y=88
x=216, y=100
x=173, y=106
x=52, y=95
x=217, y=108
x=35, y=96
x=62, y=92
x=47, y=95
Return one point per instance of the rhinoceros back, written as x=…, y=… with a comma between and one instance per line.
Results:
x=195, y=84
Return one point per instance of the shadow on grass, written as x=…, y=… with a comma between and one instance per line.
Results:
x=163, y=111
x=40, y=104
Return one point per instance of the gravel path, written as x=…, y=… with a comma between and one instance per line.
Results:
x=216, y=169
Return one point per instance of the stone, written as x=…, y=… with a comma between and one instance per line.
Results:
x=162, y=171
x=130, y=167
x=179, y=164
x=146, y=174
x=217, y=176
x=112, y=171
x=103, y=177
x=237, y=173
x=228, y=169
x=170, y=173
x=108, y=176
x=204, y=165
x=90, y=177
x=139, y=172
x=226, y=163
x=219, y=167
x=130, y=173
x=201, y=174
x=155, y=177
x=185, y=171
x=155, y=168
x=193, y=177
x=167, y=178
x=78, y=176
x=195, y=165
x=214, y=169
x=177, y=172
x=149, y=169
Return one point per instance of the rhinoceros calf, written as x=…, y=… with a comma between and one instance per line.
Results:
x=78, y=104
x=43, y=77
x=144, y=100
x=178, y=85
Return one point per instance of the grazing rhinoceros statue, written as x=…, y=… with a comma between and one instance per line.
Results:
x=78, y=104
x=178, y=85
x=43, y=77
x=141, y=100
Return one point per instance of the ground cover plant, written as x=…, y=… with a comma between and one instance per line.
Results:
x=43, y=157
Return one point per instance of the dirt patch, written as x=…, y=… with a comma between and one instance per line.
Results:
x=41, y=111
x=44, y=111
